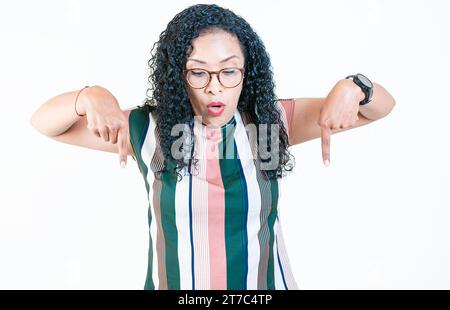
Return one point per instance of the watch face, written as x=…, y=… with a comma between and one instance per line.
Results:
x=364, y=80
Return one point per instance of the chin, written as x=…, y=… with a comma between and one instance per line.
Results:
x=212, y=120
x=215, y=122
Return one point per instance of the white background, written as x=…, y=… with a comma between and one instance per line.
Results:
x=377, y=218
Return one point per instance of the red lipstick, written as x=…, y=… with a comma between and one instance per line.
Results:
x=216, y=108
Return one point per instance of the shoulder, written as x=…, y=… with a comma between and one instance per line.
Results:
x=140, y=120
x=286, y=108
x=140, y=116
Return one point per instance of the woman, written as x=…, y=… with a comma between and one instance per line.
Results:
x=211, y=144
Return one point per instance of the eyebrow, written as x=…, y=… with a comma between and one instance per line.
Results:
x=203, y=62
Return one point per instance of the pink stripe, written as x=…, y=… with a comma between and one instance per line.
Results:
x=216, y=213
x=200, y=219
x=288, y=106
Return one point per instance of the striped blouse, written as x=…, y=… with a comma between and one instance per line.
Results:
x=219, y=227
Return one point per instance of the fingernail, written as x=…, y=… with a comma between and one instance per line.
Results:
x=122, y=164
x=327, y=162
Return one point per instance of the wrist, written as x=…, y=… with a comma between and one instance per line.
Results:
x=353, y=89
x=84, y=99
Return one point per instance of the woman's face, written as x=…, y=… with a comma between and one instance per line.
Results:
x=209, y=50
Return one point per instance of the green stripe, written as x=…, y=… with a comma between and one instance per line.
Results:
x=139, y=122
x=235, y=214
x=271, y=221
x=169, y=225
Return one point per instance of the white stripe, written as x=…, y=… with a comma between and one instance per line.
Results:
x=282, y=252
x=279, y=284
x=254, y=202
x=183, y=230
x=147, y=152
x=289, y=277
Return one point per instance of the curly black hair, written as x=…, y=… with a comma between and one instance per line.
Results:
x=169, y=97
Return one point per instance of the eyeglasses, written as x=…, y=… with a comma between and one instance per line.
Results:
x=228, y=77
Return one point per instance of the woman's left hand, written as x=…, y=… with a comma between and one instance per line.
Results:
x=339, y=111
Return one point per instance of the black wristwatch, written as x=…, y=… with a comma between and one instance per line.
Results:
x=365, y=84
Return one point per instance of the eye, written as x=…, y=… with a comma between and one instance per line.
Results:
x=229, y=71
x=198, y=73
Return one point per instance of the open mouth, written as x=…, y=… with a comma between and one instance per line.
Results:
x=216, y=108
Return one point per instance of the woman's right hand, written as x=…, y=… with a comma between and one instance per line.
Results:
x=104, y=118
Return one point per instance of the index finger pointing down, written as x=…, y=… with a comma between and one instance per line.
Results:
x=122, y=142
x=325, y=136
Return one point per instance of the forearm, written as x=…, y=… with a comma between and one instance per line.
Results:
x=57, y=114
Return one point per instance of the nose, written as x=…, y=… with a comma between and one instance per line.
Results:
x=214, y=85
